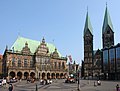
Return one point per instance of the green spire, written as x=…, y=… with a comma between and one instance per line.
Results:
x=107, y=21
x=87, y=24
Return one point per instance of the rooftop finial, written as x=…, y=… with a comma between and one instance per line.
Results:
x=43, y=40
x=26, y=44
x=106, y=4
x=87, y=8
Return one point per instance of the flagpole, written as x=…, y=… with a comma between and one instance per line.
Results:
x=69, y=69
x=70, y=61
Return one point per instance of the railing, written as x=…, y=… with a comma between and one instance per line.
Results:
x=15, y=67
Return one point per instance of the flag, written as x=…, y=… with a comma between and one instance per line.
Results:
x=70, y=58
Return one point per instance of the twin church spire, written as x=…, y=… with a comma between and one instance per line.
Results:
x=107, y=39
x=106, y=28
x=107, y=22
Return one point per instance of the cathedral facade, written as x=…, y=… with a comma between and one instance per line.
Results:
x=101, y=63
x=33, y=59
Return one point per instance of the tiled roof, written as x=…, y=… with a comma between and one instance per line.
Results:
x=32, y=44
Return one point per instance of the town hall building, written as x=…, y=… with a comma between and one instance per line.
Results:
x=33, y=59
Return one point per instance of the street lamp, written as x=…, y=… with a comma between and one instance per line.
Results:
x=78, y=81
x=36, y=89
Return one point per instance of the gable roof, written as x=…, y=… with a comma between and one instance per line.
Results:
x=32, y=44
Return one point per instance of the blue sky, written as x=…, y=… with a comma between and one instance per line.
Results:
x=59, y=20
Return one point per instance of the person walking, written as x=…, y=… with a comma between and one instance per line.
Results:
x=117, y=87
x=10, y=87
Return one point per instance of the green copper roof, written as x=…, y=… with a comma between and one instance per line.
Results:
x=88, y=25
x=107, y=21
x=32, y=44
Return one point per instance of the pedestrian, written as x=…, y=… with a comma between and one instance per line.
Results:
x=10, y=87
x=94, y=83
x=4, y=83
x=117, y=87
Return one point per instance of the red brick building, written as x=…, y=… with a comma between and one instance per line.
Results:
x=31, y=58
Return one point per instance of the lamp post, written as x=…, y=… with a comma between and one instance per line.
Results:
x=78, y=81
x=36, y=89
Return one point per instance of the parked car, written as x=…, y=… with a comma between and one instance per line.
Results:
x=42, y=82
x=28, y=80
x=0, y=82
x=13, y=80
x=70, y=80
x=98, y=82
x=4, y=82
x=50, y=81
x=45, y=81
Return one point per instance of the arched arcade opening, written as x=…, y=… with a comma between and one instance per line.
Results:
x=57, y=75
x=53, y=75
x=43, y=75
x=61, y=75
x=32, y=75
x=12, y=74
x=26, y=75
x=48, y=75
x=19, y=75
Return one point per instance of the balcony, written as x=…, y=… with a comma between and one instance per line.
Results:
x=21, y=68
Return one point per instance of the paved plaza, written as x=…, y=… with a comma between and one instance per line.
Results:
x=59, y=85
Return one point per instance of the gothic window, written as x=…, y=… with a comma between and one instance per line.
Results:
x=48, y=67
x=63, y=65
x=59, y=65
x=90, y=54
x=31, y=63
x=43, y=60
x=25, y=62
x=55, y=65
x=19, y=63
x=42, y=67
x=40, y=60
x=91, y=60
x=45, y=67
x=86, y=54
x=37, y=59
x=13, y=61
x=46, y=61
x=108, y=32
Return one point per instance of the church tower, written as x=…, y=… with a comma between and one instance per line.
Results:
x=107, y=31
x=88, y=47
